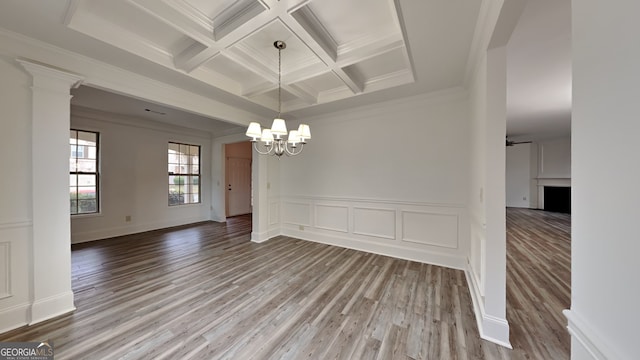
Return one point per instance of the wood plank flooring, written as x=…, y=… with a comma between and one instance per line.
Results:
x=538, y=282
x=206, y=292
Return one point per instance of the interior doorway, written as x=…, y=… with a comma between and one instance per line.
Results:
x=238, y=179
x=538, y=155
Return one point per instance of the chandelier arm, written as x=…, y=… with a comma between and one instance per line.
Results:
x=293, y=151
x=270, y=148
x=279, y=144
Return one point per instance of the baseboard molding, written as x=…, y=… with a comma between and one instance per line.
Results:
x=14, y=317
x=423, y=256
x=219, y=219
x=50, y=307
x=264, y=236
x=490, y=327
x=87, y=236
x=585, y=341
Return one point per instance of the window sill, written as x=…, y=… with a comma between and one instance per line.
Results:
x=85, y=216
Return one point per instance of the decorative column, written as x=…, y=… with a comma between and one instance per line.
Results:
x=51, y=292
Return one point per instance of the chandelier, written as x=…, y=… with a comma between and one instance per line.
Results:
x=272, y=141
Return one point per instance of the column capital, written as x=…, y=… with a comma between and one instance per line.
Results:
x=50, y=77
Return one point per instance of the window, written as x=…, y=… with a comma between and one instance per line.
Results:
x=83, y=172
x=184, y=174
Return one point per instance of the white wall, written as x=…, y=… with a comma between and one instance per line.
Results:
x=519, y=175
x=554, y=158
x=15, y=192
x=604, y=314
x=554, y=166
x=530, y=167
x=486, y=267
x=133, y=173
x=389, y=178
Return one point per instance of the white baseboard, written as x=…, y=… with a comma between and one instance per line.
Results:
x=264, y=236
x=413, y=254
x=81, y=237
x=14, y=317
x=219, y=219
x=490, y=327
x=586, y=344
x=53, y=306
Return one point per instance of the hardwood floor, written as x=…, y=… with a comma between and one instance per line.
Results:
x=538, y=282
x=206, y=292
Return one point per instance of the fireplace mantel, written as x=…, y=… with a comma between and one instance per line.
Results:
x=548, y=181
x=564, y=182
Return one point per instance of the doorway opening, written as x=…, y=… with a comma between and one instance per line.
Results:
x=238, y=179
x=538, y=237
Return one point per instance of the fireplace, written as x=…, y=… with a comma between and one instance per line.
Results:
x=557, y=199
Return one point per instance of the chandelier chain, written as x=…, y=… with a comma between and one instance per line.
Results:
x=275, y=141
x=279, y=81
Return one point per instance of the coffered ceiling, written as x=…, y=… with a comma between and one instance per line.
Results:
x=336, y=49
x=340, y=53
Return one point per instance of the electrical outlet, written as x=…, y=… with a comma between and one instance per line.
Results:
x=127, y=218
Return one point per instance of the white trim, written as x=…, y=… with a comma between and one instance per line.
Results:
x=52, y=306
x=14, y=317
x=15, y=224
x=370, y=200
x=588, y=338
x=386, y=249
x=264, y=236
x=87, y=236
x=429, y=243
x=5, y=291
x=485, y=25
x=490, y=327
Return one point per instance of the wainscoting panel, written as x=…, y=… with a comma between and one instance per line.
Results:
x=376, y=222
x=274, y=212
x=296, y=213
x=5, y=269
x=15, y=270
x=430, y=233
x=430, y=229
x=332, y=217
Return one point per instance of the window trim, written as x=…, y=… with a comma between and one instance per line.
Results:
x=189, y=174
x=97, y=175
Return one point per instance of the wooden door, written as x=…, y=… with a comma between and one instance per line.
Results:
x=238, y=174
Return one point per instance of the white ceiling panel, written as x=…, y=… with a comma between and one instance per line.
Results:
x=210, y=8
x=388, y=63
x=259, y=46
x=324, y=82
x=345, y=22
x=233, y=71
